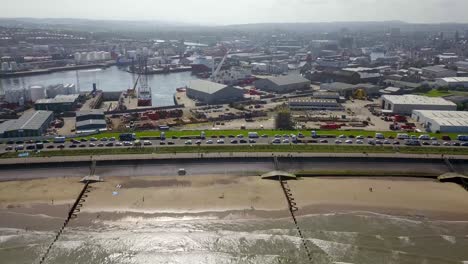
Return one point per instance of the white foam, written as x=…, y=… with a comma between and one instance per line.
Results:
x=450, y=239
x=5, y=238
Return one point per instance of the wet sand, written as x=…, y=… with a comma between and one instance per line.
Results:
x=22, y=203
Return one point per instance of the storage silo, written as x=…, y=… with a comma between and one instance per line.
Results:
x=37, y=92
x=84, y=57
x=13, y=96
x=77, y=57
x=5, y=66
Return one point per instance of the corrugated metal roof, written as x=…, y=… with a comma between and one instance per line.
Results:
x=206, y=86
x=30, y=121
x=91, y=122
x=411, y=99
x=89, y=112
x=70, y=98
x=288, y=79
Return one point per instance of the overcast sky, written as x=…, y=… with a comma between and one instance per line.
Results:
x=242, y=11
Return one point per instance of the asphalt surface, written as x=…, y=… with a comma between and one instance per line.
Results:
x=239, y=167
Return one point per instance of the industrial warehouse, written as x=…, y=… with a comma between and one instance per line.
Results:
x=213, y=93
x=314, y=104
x=90, y=120
x=28, y=125
x=405, y=104
x=283, y=84
x=60, y=103
x=442, y=121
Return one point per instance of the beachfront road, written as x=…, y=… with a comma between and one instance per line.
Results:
x=224, y=167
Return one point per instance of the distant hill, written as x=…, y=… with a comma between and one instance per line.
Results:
x=164, y=26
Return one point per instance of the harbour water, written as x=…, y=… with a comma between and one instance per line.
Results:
x=355, y=237
x=110, y=79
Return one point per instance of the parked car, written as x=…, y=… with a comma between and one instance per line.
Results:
x=188, y=142
x=118, y=144
x=341, y=136
x=162, y=143
x=82, y=146
x=456, y=144
x=147, y=143
x=276, y=141
x=220, y=141
x=396, y=142
x=234, y=141
x=252, y=141
x=109, y=144
x=93, y=139
x=127, y=144
x=209, y=142
x=323, y=141
x=170, y=143
x=360, y=142
x=73, y=146
x=8, y=148
x=264, y=136
x=349, y=141
x=50, y=147
x=360, y=137
x=104, y=139
x=338, y=141
x=100, y=145
x=286, y=141
x=242, y=141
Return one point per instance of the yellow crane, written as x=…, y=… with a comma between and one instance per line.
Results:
x=360, y=94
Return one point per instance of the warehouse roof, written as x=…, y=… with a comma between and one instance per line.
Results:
x=411, y=99
x=59, y=99
x=91, y=122
x=445, y=118
x=312, y=101
x=455, y=79
x=206, y=86
x=89, y=112
x=288, y=79
x=436, y=68
x=28, y=121
x=6, y=125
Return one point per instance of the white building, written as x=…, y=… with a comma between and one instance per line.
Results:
x=453, y=82
x=442, y=121
x=314, y=104
x=405, y=104
x=37, y=92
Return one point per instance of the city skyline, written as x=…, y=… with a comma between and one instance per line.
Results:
x=211, y=12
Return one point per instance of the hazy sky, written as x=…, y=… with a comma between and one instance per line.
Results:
x=242, y=11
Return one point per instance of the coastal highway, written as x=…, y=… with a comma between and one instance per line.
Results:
x=236, y=166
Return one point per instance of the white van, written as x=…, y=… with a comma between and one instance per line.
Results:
x=424, y=137
x=402, y=136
